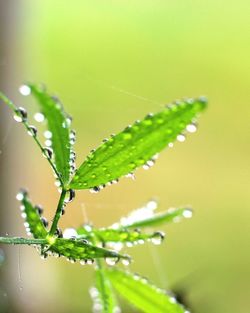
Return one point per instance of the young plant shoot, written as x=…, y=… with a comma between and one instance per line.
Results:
x=120, y=155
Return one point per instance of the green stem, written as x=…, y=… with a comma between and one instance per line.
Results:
x=58, y=213
x=22, y=241
x=12, y=106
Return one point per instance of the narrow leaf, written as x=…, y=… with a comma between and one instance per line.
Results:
x=144, y=296
x=136, y=145
x=79, y=249
x=30, y=213
x=171, y=215
x=59, y=126
x=102, y=295
x=106, y=235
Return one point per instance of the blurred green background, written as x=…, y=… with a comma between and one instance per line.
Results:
x=112, y=62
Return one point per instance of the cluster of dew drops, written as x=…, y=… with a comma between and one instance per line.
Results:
x=97, y=302
x=69, y=233
x=20, y=116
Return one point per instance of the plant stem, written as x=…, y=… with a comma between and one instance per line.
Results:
x=22, y=241
x=12, y=106
x=58, y=213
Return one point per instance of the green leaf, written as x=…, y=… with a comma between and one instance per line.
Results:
x=32, y=217
x=59, y=126
x=144, y=296
x=136, y=145
x=156, y=219
x=79, y=249
x=103, y=293
x=106, y=235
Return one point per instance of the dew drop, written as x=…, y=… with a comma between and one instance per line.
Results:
x=48, y=143
x=24, y=90
x=170, y=145
x=47, y=134
x=191, y=128
x=21, y=194
x=187, y=213
x=39, y=117
x=57, y=183
x=181, y=138
x=39, y=209
x=32, y=131
x=69, y=233
x=44, y=221
x=23, y=215
x=95, y=189
x=47, y=152
x=90, y=261
x=152, y=205
x=111, y=260
x=58, y=233
x=44, y=256
x=126, y=260
x=20, y=115
x=157, y=238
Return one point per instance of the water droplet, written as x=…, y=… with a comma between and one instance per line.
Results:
x=47, y=152
x=72, y=137
x=23, y=215
x=69, y=233
x=181, y=138
x=44, y=221
x=131, y=175
x=47, y=134
x=20, y=115
x=57, y=183
x=95, y=189
x=152, y=205
x=172, y=300
x=111, y=260
x=90, y=261
x=82, y=262
x=126, y=260
x=32, y=131
x=44, y=256
x=170, y=145
x=191, y=128
x=39, y=209
x=21, y=194
x=58, y=233
x=25, y=90
x=39, y=117
x=187, y=213
x=157, y=238
x=48, y=143
x=87, y=227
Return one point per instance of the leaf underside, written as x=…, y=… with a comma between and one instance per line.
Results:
x=33, y=218
x=144, y=296
x=136, y=145
x=58, y=125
